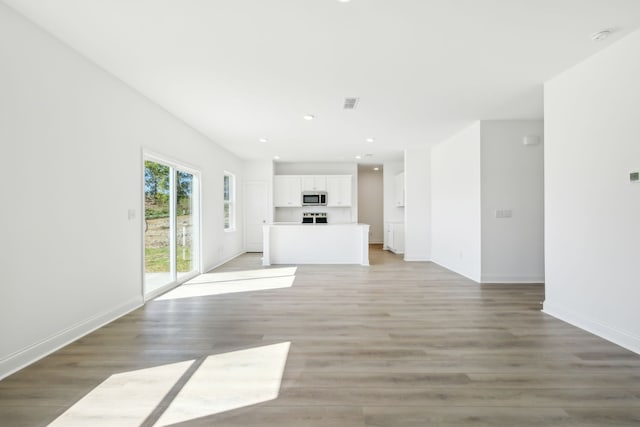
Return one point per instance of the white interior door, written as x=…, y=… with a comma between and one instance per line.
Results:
x=256, y=208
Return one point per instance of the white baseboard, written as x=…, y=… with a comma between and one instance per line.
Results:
x=511, y=279
x=416, y=259
x=609, y=333
x=224, y=261
x=20, y=359
x=455, y=271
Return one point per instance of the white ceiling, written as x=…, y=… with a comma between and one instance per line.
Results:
x=241, y=70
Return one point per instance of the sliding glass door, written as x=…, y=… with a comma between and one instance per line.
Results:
x=171, y=247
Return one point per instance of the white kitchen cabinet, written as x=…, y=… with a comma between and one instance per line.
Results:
x=399, y=189
x=287, y=191
x=314, y=182
x=394, y=237
x=339, y=190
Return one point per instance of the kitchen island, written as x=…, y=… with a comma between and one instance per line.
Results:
x=316, y=244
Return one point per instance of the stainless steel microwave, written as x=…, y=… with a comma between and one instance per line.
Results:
x=314, y=198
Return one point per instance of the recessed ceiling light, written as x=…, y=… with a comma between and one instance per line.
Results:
x=350, y=103
x=276, y=157
x=263, y=140
x=344, y=1
x=600, y=35
x=376, y=169
x=358, y=157
x=309, y=117
x=370, y=140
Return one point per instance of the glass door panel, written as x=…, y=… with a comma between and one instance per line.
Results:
x=158, y=225
x=184, y=223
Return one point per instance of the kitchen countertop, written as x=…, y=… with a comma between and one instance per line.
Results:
x=308, y=225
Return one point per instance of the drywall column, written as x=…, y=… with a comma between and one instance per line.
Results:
x=592, y=210
x=455, y=201
x=417, y=211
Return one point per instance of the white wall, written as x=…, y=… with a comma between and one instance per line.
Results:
x=592, y=251
x=390, y=169
x=455, y=198
x=316, y=168
x=417, y=210
x=258, y=170
x=370, y=202
x=512, y=179
x=71, y=142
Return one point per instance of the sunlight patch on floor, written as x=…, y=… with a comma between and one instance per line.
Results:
x=222, y=382
x=124, y=399
x=233, y=282
x=229, y=381
x=226, y=276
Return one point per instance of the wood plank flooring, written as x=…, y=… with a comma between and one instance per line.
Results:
x=394, y=344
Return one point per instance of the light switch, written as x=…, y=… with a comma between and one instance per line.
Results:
x=504, y=213
x=131, y=214
x=634, y=177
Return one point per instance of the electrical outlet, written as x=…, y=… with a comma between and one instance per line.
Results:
x=504, y=213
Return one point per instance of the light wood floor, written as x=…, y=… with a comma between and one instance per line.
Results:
x=395, y=344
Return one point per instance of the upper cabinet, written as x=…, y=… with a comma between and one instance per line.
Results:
x=399, y=189
x=287, y=191
x=314, y=183
x=339, y=190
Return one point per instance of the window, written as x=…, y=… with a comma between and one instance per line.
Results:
x=229, y=202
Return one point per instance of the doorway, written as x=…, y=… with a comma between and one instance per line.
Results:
x=171, y=225
x=256, y=213
x=371, y=200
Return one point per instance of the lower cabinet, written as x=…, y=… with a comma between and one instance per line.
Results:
x=394, y=237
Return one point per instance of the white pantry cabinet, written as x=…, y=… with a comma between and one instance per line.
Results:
x=287, y=191
x=339, y=190
x=394, y=237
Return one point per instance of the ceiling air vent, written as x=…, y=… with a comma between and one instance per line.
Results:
x=350, y=103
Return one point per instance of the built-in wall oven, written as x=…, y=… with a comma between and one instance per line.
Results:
x=314, y=198
x=314, y=218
